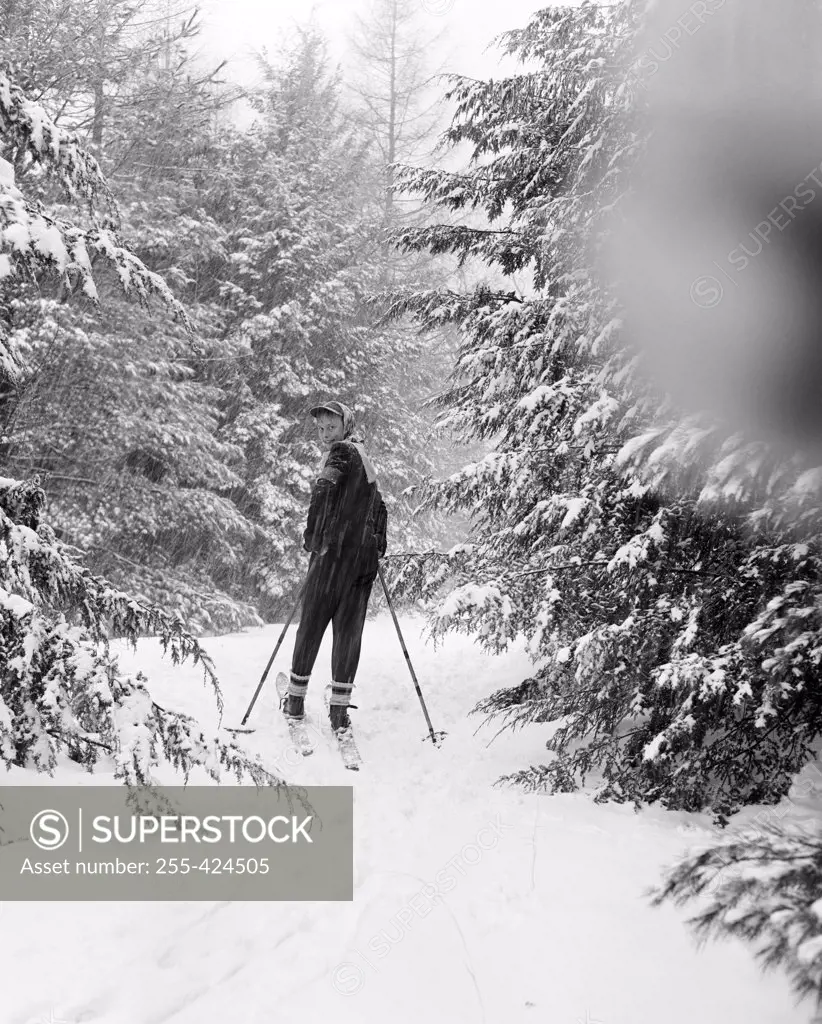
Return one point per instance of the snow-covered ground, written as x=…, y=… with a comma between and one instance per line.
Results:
x=539, y=913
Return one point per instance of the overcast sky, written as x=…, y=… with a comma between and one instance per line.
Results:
x=235, y=28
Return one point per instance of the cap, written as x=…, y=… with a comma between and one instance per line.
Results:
x=332, y=407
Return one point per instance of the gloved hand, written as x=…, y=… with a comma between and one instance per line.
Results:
x=311, y=543
x=315, y=545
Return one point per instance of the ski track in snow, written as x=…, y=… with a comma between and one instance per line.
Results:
x=548, y=925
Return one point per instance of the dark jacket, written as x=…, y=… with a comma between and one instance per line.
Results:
x=347, y=516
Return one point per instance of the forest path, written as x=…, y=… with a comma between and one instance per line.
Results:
x=472, y=904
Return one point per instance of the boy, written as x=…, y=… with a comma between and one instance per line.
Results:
x=346, y=535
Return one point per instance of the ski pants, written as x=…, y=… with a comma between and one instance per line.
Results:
x=337, y=591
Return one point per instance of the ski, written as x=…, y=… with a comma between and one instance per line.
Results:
x=297, y=727
x=344, y=739
x=347, y=746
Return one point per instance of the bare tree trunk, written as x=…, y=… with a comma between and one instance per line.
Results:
x=393, y=76
x=392, y=121
x=100, y=76
x=395, y=51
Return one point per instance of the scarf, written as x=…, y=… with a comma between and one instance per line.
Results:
x=358, y=442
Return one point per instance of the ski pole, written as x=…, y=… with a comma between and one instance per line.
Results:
x=274, y=655
x=408, y=660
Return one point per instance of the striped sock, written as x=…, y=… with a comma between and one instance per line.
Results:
x=297, y=685
x=341, y=694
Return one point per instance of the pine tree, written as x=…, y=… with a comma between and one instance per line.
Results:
x=111, y=411
x=762, y=885
x=676, y=628
x=62, y=691
x=665, y=573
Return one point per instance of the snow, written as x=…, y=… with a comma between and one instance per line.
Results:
x=651, y=750
x=470, y=596
x=575, y=507
x=809, y=482
x=473, y=904
x=603, y=410
x=538, y=397
x=49, y=242
x=18, y=236
x=810, y=950
x=6, y=173
x=16, y=605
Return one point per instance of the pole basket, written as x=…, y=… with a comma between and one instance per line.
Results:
x=436, y=739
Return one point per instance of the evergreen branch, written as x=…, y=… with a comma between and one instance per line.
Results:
x=69, y=736
x=28, y=127
x=762, y=887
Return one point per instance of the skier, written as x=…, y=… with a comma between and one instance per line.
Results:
x=346, y=536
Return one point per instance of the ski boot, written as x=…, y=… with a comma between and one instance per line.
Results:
x=338, y=713
x=344, y=735
x=293, y=707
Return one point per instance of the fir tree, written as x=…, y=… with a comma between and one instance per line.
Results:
x=665, y=573
x=676, y=629
x=761, y=885
x=109, y=409
x=61, y=690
